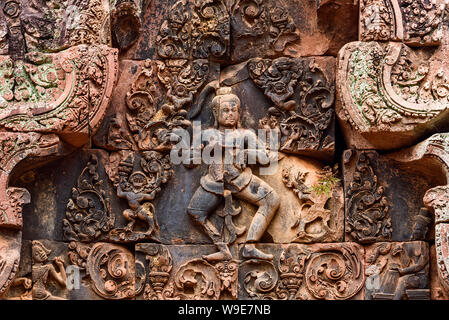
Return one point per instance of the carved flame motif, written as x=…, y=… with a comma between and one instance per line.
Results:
x=88, y=213
x=368, y=218
x=291, y=268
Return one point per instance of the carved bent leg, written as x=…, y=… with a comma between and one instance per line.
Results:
x=15, y=147
x=201, y=205
x=436, y=150
x=262, y=195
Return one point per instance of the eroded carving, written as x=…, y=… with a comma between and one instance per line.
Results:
x=88, y=213
x=367, y=207
x=414, y=22
x=166, y=278
x=304, y=272
x=397, y=271
x=195, y=29
x=267, y=23
x=302, y=100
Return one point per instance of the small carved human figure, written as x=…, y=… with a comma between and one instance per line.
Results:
x=43, y=270
x=234, y=178
x=414, y=269
x=421, y=224
x=127, y=190
x=404, y=269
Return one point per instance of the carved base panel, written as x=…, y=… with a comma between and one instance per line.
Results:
x=74, y=271
x=165, y=272
x=304, y=272
x=397, y=271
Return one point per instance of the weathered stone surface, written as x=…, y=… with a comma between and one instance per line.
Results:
x=305, y=272
x=295, y=28
x=389, y=95
x=417, y=23
x=165, y=272
x=397, y=271
x=297, y=100
x=22, y=285
x=179, y=29
x=437, y=292
x=311, y=207
x=77, y=271
x=380, y=205
x=336, y=21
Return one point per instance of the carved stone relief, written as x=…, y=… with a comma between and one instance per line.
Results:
x=417, y=23
x=380, y=205
x=182, y=272
x=97, y=97
x=305, y=272
x=397, y=271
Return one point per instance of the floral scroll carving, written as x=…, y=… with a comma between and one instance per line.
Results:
x=112, y=271
x=196, y=279
x=367, y=207
x=302, y=98
x=414, y=22
x=306, y=273
x=88, y=214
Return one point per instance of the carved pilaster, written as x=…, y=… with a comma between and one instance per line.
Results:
x=434, y=151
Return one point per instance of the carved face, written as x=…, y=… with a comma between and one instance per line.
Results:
x=39, y=255
x=228, y=113
x=419, y=230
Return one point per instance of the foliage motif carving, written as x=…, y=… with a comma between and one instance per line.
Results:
x=88, y=213
x=367, y=207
